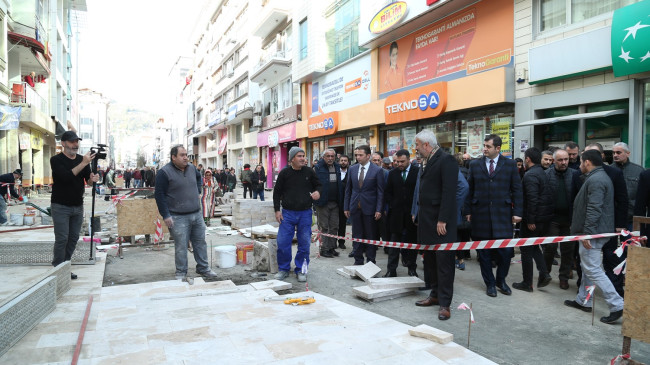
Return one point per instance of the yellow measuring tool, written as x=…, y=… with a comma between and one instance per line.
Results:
x=300, y=301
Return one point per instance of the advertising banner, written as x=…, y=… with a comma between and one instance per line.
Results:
x=502, y=127
x=272, y=137
x=423, y=102
x=9, y=117
x=343, y=88
x=629, y=40
x=475, y=39
x=475, y=137
x=324, y=125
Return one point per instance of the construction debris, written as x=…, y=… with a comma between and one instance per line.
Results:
x=378, y=295
x=394, y=283
x=367, y=271
x=274, y=285
x=431, y=333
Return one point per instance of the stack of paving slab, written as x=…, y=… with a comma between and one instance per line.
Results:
x=380, y=289
x=223, y=209
x=248, y=213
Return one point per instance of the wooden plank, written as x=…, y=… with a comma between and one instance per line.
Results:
x=138, y=216
x=636, y=312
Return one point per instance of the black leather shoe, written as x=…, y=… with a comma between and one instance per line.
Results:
x=523, y=286
x=576, y=305
x=426, y=287
x=342, y=246
x=326, y=254
x=544, y=281
x=412, y=272
x=612, y=317
x=390, y=274
x=334, y=253
x=351, y=254
x=491, y=291
x=504, y=288
x=73, y=276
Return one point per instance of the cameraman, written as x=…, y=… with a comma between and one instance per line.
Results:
x=69, y=170
x=7, y=185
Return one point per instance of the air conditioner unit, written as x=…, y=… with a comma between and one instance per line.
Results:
x=257, y=121
x=258, y=107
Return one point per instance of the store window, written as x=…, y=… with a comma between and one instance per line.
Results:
x=556, y=13
x=355, y=140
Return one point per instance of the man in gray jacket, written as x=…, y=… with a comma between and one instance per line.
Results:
x=178, y=187
x=593, y=213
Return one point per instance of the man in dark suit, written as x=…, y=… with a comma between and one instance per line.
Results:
x=344, y=163
x=399, y=198
x=364, y=198
x=494, y=205
x=437, y=218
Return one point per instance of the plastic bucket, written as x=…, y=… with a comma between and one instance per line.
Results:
x=46, y=220
x=28, y=220
x=16, y=218
x=226, y=256
x=30, y=212
x=244, y=253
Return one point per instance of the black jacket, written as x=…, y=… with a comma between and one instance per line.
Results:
x=569, y=184
x=255, y=178
x=398, y=195
x=539, y=203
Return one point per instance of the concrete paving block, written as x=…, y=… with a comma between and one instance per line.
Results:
x=271, y=284
x=393, y=283
x=432, y=334
x=344, y=273
x=368, y=293
x=352, y=270
x=367, y=271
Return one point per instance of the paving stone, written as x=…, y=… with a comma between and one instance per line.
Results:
x=344, y=273
x=392, y=283
x=367, y=292
x=352, y=270
x=271, y=284
x=431, y=333
x=367, y=271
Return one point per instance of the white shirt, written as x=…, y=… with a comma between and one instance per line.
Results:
x=343, y=173
x=487, y=162
x=365, y=170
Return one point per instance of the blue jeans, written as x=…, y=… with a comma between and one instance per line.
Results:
x=67, y=225
x=292, y=220
x=260, y=193
x=3, y=208
x=189, y=227
x=137, y=183
x=593, y=274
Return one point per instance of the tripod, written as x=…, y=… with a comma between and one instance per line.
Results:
x=92, y=213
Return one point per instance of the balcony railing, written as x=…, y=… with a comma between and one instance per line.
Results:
x=268, y=56
x=22, y=93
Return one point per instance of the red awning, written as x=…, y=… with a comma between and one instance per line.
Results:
x=29, y=42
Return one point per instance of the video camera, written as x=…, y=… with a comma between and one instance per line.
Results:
x=100, y=154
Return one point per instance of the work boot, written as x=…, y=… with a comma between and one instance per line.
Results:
x=281, y=275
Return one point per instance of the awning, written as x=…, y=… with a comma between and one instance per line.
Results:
x=601, y=114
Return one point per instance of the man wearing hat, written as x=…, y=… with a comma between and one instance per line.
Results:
x=70, y=173
x=295, y=190
x=7, y=184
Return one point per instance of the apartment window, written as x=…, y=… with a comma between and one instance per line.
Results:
x=241, y=88
x=303, y=39
x=241, y=54
x=285, y=93
x=230, y=95
x=86, y=135
x=238, y=132
x=343, y=37
x=288, y=39
x=557, y=13
x=86, y=121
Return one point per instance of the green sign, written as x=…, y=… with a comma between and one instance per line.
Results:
x=631, y=39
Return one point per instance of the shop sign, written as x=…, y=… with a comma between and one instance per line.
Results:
x=232, y=112
x=630, y=39
x=343, y=88
x=335, y=142
x=476, y=39
x=324, y=125
x=420, y=103
x=288, y=115
x=37, y=139
x=503, y=127
x=475, y=136
x=9, y=117
x=388, y=17
x=24, y=140
x=273, y=138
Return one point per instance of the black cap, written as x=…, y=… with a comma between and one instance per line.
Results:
x=70, y=136
x=18, y=172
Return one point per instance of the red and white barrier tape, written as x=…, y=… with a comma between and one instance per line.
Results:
x=479, y=245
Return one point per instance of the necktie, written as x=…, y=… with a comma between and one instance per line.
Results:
x=491, y=167
x=361, y=177
x=404, y=175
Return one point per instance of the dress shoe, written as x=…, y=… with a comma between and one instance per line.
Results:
x=326, y=254
x=576, y=305
x=412, y=272
x=342, y=246
x=523, y=286
x=491, y=291
x=390, y=274
x=544, y=281
x=444, y=313
x=564, y=284
x=351, y=254
x=73, y=276
x=426, y=287
x=504, y=288
x=427, y=302
x=334, y=253
x=612, y=317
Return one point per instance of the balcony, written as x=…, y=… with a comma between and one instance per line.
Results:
x=272, y=67
x=273, y=14
x=34, y=108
